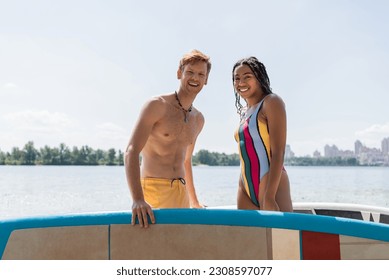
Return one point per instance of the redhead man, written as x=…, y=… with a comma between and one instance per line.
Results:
x=165, y=135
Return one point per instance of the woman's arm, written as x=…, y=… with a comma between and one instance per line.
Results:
x=274, y=110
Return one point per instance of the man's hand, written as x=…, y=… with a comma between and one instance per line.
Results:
x=140, y=210
x=197, y=205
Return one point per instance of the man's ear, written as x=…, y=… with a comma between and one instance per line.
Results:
x=179, y=73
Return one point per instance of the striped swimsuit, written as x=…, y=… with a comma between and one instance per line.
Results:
x=254, y=150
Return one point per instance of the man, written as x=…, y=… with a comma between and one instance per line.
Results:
x=165, y=136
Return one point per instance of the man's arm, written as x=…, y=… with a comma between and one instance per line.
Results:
x=194, y=202
x=150, y=114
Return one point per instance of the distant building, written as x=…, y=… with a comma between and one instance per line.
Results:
x=372, y=156
x=385, y=146
x=331, y=151
x=288, y=152
x=358, y=147
x=316, y=154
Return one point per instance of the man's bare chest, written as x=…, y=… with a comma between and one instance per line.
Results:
x=173, y=128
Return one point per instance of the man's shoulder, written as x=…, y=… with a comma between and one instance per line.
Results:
x=198, y=115
x=155, y=102
x=156, y=99
x=154, y=108
x=161, y=100
x=197, y=111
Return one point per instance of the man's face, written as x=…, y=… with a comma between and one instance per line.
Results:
x=193, y=76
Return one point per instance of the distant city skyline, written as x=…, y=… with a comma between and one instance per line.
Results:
x=384, y=146
x=364, y=154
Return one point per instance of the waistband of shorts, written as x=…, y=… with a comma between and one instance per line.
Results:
x=164, y=180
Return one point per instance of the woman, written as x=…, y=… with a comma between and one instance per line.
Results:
x=264, y=183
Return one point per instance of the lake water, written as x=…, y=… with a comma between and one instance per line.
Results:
x=47, y=190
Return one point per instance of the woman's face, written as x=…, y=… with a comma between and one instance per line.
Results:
x=246, y=84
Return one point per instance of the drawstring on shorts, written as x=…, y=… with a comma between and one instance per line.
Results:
x=182, y=180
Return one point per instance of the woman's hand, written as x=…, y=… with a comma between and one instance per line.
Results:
x=269, y=204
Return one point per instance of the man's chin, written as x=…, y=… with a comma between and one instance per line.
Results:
x=195, y=90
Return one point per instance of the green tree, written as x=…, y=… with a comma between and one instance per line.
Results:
x=75, y=156
x=46, y=155
x=29, y=154
x=2, y=158
x=65, y=156
x=86, y=156
x=120, y=158
x=205, y=157
x=15, y=157
x=101, y=157
x=215, y=159
x=111, y=157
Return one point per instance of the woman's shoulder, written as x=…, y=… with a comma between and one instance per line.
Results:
x=273, y=100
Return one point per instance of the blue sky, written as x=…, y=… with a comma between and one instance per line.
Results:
x=78, y=72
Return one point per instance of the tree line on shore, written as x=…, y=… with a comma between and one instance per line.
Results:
x=63, y=155
x=220, y=159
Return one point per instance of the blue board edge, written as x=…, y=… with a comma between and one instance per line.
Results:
x=221, y=217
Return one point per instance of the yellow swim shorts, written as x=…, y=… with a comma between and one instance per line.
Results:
x=165, y=193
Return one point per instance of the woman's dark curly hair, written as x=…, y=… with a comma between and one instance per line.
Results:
x=260, y=73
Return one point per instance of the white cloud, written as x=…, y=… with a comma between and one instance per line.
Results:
x=10, y=89
x=39, y=121
x=374, y=130
x=52, y=128
x=110, y=135
x=9, y=85
x=113, y=131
